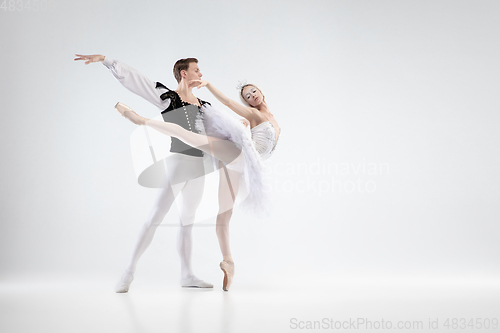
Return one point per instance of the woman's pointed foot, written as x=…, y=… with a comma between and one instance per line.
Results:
x=130, y=114
x=228, y=269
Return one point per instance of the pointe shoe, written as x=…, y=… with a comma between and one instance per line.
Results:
x=130, y=114
x=228, y=269
x=194, y=282
x=124, y=284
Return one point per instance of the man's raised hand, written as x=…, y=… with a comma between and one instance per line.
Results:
x=89, y=58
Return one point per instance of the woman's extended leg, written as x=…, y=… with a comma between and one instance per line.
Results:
x=224, y=150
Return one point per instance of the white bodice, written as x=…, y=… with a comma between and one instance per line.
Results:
x=264, y=138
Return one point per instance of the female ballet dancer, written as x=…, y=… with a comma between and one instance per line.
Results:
x=225, y=139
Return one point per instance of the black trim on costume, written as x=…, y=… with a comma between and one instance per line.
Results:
x=160, y=85
x=176, y=103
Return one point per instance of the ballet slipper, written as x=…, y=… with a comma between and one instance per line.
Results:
x=228, y=269
x=124, y=284
x=194, y=282
x=130, y=114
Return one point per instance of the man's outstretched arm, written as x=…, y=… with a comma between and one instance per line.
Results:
x=130, y=78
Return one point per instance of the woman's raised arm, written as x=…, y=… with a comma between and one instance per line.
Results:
x=244, y=111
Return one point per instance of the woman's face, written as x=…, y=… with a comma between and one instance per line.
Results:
x=252, y=96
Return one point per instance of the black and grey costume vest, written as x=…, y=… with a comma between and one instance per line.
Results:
x=184, y=114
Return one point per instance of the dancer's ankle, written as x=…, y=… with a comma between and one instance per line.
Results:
x=130, y=270
x=227, y=258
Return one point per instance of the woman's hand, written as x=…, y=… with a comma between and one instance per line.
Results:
x=245, y=122
x=198, y=83
x=90, y=58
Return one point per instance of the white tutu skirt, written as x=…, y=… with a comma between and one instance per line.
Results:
x=251, y=194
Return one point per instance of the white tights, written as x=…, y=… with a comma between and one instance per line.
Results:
x=192, y=192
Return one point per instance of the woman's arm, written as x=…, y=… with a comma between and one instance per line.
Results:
x=244, y=111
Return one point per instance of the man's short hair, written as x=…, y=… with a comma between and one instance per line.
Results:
x=182, y=65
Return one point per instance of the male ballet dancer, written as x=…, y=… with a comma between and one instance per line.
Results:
x=184, y=167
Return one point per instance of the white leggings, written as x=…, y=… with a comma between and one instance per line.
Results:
x=192, y=190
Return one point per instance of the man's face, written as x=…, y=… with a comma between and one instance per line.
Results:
x=193, y=72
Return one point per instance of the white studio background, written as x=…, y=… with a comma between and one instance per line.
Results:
x=386, y=166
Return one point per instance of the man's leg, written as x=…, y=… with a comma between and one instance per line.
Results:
x=192, y=194
x=161, y=206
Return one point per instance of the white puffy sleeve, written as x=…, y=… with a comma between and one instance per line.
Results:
x=136, y=82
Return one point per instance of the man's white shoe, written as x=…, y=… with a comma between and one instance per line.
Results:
x=124, y=283
x=194, y=282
